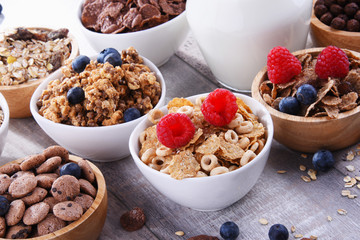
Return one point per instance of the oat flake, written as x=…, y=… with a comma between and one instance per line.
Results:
x=180, y=233
x=281, y=171
x=298, y=236
x=347, y=179
x=350, y=168
x=305, y=178
x=329, y=218
x=263, y=221
x=345, y=193
x=342, y=211
x=302, y=168
x=293, y=229
x=350, y=156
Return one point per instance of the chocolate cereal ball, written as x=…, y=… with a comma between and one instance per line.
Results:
x=357, y=15
x=350, y=9
x=353, y=25
x=320, y=2
x=326, y=18
x=336, y=9
x=338, y=23
x=355, y=1
x=344, y=17
x=342, y=2
x=320, y=9
x=329, y=2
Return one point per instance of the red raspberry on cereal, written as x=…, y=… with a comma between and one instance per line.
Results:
x=175, y=130
x=332, y=62
x=219, y=107
x=282, y=66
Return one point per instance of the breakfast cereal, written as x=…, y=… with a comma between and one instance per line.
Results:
x=27, y=55
x=1, y=116
x=108, y=90
x=42, y=203
x=212, y=150
x=334, y=95
x=128, y=16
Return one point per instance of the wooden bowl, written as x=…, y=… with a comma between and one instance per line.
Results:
x=18, y=96
x=323, y=35
x=90, y=225
x=309, y=134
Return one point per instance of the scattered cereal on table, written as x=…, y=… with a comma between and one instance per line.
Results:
x=281, y=171
x=293, y=229
x=263, y=221
x=342, y=211
x=329, y=218
x=302, y=168
x=298, y=235
x=305, y=178
x=350, y=168
x=179, y=233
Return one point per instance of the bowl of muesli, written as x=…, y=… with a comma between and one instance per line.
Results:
x=155, y=28
x=317, y=105
x=219, y=162
x=27, y=57
x=4, y=121
x=92, y=110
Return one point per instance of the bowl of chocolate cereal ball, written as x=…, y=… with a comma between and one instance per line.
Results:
x=52, y=195
x=4, y=121
x=155, y=28
x=27, y=57
x=337, y=23
x=206, y=151
x=91, y=105
x=312, y=96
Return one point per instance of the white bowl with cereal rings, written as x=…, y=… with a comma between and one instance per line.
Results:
x=4, y=121
x=103, y=138
x=202, y=184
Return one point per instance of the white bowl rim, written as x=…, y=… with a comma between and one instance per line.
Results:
x=267, y=147
x=149, y=30
x=6, y=111
x=35, y=111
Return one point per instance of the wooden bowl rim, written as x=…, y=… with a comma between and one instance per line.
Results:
x=74, y=52
x=101, y=192
x=300, y=119
x=315, y=21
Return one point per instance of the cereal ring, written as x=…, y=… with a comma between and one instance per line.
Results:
x=165, y=169
x=261, y=145
x=238, y=119
x=155, y=115
x=5, y=182
x=148, y=155
x=219, y=170
x=56, y=150
x=254, y=147
x=201, y=174
x=244, y=142
x=49, y=165
x=231, y=136
x=199, y=101
x=209, y=162
x=163, y=151
x=244, y=127
x=188, y=110
x=247, y=157
x=233, y=167
x=15, y=213
x=32, y=161
x=158, y=161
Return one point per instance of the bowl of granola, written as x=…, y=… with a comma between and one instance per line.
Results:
x=216, y=165
x=4, y=121
x=54, y=202
x=318, y=106
x=155, y=28
x=92, y=110
x=27, y=57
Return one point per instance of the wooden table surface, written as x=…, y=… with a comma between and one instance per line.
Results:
x=278, y=198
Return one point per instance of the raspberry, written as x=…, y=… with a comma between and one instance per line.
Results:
x=219, y=107
x=332, y=62
x=282, y=66
x=175, y=130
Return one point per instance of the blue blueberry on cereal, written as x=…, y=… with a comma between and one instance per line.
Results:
x=75, y=95
x=79, y=63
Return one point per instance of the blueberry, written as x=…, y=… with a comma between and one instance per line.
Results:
x=106, y=51
x=306, y=94
x=289, y=105
x=75, y=95
x=114, y=59
x=229, y=231
x=79, y=63
x=4, y=206
x=71, y=169
x=1, y=8
x=131, y=114
x=323, y=160
x=278, y=232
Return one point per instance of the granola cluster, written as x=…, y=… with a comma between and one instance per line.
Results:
x=109, y=91
x=334, y=95
x=120, y=16
x=31, y=54
x=212, y=150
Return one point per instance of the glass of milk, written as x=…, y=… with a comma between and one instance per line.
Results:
x=235, y=36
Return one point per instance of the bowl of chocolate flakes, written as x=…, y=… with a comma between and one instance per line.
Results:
x=312, y=96
x=155, y=28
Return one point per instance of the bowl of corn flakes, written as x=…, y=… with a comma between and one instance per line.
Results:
x=4, y=121
x=27, y=57
x=217, y=164
x=317, y=106
x=155, y=28
x=91, y=105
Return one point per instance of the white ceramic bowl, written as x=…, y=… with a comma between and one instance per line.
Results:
x=208, y=193
x=5, y=125
x=103, y=143
x=157, y=44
